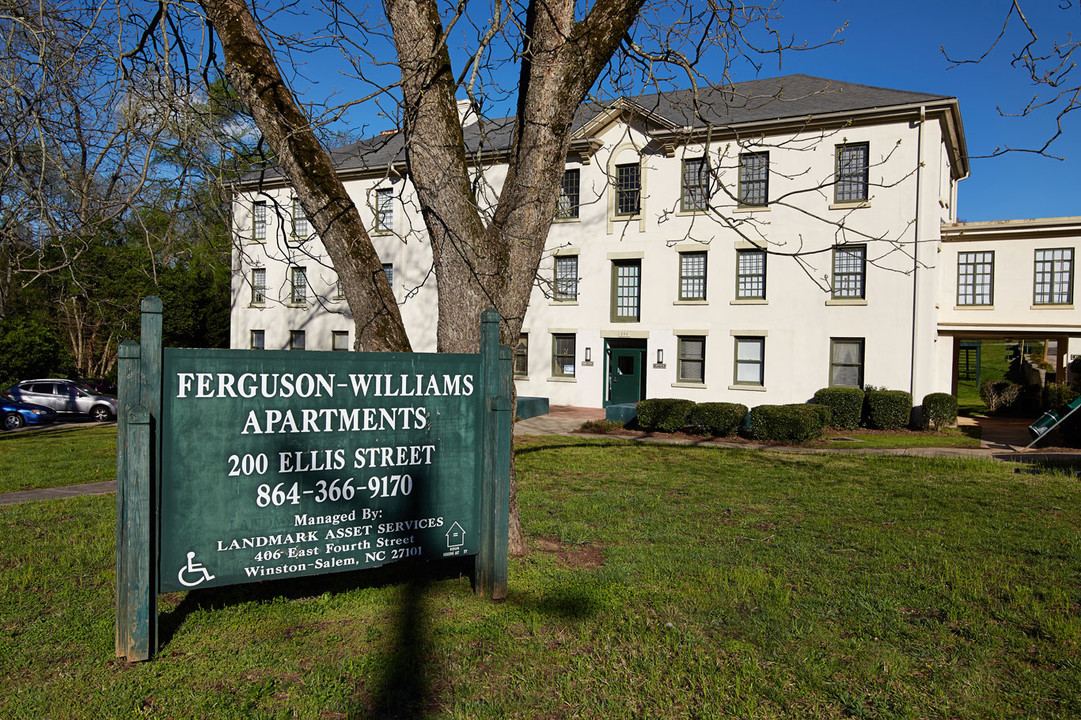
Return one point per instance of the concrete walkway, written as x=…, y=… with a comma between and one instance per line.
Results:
x=100, y=488
x=1002, y=439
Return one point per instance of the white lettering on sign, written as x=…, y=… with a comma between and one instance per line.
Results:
x=204, y=385
x=327, y=420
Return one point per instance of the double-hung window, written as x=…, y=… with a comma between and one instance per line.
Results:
x=692, y=276
x=298, y=286
x=853, y=166
x=563, y=354
x=626, y=290
x=301, y=228
x=258, y=286
x=1054, y=277
x=566, y=278
x=692, y=359
x=754, y=178
x=750, y=361
x=976, y=278
x=846, y=362
x=258, y=220
x=750, y=274
x=695, y=195
x=849, y=271
x=384, y=210
x=628, y=189
x=569, y=195
x=521, y=356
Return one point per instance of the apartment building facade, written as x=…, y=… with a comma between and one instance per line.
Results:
x=749, y=244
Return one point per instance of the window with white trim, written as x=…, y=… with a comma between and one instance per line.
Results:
x=750, y=360
x=853, y=172
x=692, y=359
x=258, y=339
x=626, y=290
x=258, y=220
x=301, y=228
x=628, y=186
x=846, y=362
x=754, y=178
x=563, y=353
x=849, y=271
x=976, y=278
x=298, y=285
x=258, y=286
x=569, y=195
x=692, y=276
x=751, y=274
x=521, y=356
x=384, y=210
x=1054, y=277
x=695, y=190
x=566, y=278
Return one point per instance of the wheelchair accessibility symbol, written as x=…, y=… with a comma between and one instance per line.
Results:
x=196, y=573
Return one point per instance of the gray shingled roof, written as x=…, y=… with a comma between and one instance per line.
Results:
x=754, y=101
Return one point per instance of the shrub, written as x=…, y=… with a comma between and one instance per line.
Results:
x=887, y=409
x=825, y=415
x=1057, y=395
x=663, y=414
x=601, y=427
x=716, y=418
x=999, y=394
x=845, y=405
x=786, y=423
x=939, y=410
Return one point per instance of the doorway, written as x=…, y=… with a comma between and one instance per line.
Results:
x=626, y=371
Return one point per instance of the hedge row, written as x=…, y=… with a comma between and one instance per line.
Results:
x=841, y=408
x=669, y=415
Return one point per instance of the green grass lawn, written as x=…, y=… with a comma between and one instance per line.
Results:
x=662, y=582
x=53, y=457
x=993, y=365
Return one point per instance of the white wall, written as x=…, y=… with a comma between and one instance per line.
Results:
x=800, y=226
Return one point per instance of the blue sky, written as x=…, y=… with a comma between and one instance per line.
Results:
x=897, y=45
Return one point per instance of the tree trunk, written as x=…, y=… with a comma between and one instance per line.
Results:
x=253, y=73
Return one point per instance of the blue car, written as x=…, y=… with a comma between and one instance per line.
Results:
x=15, y=414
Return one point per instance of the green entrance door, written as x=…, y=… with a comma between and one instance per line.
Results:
x=626, y=372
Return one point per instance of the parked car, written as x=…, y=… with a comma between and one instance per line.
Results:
x=15, y=414
x=99, y=385
x=66, y=397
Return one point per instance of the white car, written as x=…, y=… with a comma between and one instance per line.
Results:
x=66, y=397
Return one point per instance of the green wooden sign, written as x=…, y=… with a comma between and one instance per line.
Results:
x=278, y=464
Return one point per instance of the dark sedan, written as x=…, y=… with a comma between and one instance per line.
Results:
x=15, y=414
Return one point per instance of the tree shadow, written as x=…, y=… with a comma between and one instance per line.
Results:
x=403, y=686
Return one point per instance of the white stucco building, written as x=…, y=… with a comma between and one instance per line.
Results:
x=789, y=234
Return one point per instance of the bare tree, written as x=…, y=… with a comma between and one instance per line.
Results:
x=1046, y=59
x=554, y=51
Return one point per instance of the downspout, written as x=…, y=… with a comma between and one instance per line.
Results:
x=916, y=254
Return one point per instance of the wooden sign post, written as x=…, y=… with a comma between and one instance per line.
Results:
x=242, y=466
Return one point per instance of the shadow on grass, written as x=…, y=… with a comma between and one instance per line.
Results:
x=71, y=427
x=403, y=687
x=972, y=431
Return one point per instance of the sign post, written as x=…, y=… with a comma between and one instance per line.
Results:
x=242, y=466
